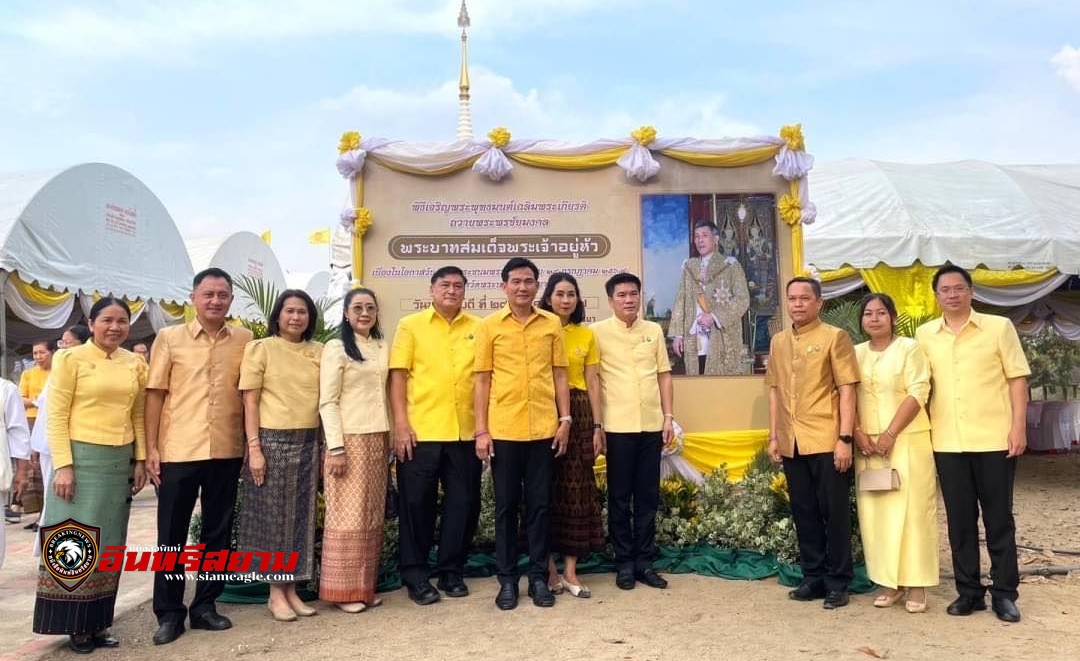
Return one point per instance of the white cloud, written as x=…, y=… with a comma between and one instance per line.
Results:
x=1021, y=121
x=1067, y=65
x=431, y=114
x=164, y=29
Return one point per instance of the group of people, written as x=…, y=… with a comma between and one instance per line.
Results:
x=540, y=396
x=217, y=416
x=948, y=408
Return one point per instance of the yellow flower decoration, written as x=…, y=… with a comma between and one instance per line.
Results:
x=499, y=136
x=792, y=135
x=644, y=135
x=363, y=221
x=350, y=140
x=790, y=209
x=778, y=485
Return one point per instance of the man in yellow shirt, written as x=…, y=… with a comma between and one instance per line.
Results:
x=195, y=443
x=811, y=378
x=522, y=405
x=431, y=394
x=978, y=425
x=636, y=396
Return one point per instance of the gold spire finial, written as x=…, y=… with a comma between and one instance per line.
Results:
x=464, y=23
x=464, y=126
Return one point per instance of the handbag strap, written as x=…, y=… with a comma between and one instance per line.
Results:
x=866, y=462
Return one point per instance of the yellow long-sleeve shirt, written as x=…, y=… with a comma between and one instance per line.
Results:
x=96, y=398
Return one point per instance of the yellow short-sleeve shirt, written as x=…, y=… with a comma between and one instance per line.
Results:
x=31, y=383
x=437, y=357
x=581, y=350
x=807, y=366
x=970, y=409
x=521, y=358
x=287, y=373
x=631, y=357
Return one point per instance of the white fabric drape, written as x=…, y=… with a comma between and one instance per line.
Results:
x=492, y=161
x=1059, y=311
x=837, y=288
x=1013, y=295
x=41, y=316
x=159, y=318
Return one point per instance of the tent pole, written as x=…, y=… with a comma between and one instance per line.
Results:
x=4, y=371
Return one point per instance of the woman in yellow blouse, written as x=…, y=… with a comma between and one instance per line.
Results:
x=279, y=377
x=352, y=403
x=899, y=528
x=576, y=527
x=98, y=444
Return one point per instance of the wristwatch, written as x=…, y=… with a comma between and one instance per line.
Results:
x=847, y=438
x=597, y=425
x=566, y=419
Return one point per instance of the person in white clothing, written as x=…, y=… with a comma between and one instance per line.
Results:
x=15, y=434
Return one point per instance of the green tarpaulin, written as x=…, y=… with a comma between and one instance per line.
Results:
x=731, y=564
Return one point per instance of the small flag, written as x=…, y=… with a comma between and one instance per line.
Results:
x=319, y=238
x=266, y=237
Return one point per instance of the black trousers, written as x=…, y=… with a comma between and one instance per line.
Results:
x=820, y=505
x=522, y=467
x=214, y=483
x=971, y=481
x=453, y=465
x=633, y=473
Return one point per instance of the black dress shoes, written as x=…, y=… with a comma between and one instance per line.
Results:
x=507, y=598
x=807, y=592
x=835, y=599
x=965, y=605
x=211, y=621
x=624, y=580
x=81, y=643
x=106, y=639
x=453, y=586
x=168, y=632
x=649, y=577
x=423, y=594
x=541, y=593
x=1005, y=609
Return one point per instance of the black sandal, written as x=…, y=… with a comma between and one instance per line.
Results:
x=81, y=643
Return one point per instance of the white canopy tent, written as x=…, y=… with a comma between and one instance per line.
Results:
x=317, y=284
x=69, y=235
x=970, y=213
x=240, y=254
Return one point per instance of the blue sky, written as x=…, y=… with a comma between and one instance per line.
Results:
x=231, y=110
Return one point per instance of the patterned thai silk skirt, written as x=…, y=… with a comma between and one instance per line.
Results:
x=353, y=530
x=279, y=516
x=103, y=478
x=576, y=527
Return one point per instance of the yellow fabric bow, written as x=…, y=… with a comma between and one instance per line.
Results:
x=790, y=209
x=792, y=135
x=644, y=135
x=499, y=136
x=350, y=140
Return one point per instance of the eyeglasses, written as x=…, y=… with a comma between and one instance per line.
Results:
x=945, y=291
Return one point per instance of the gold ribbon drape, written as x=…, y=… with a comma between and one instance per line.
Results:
x=911, y=286
x=707, y=451
x=38, y=295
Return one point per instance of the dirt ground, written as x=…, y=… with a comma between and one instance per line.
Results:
x=696, y=618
